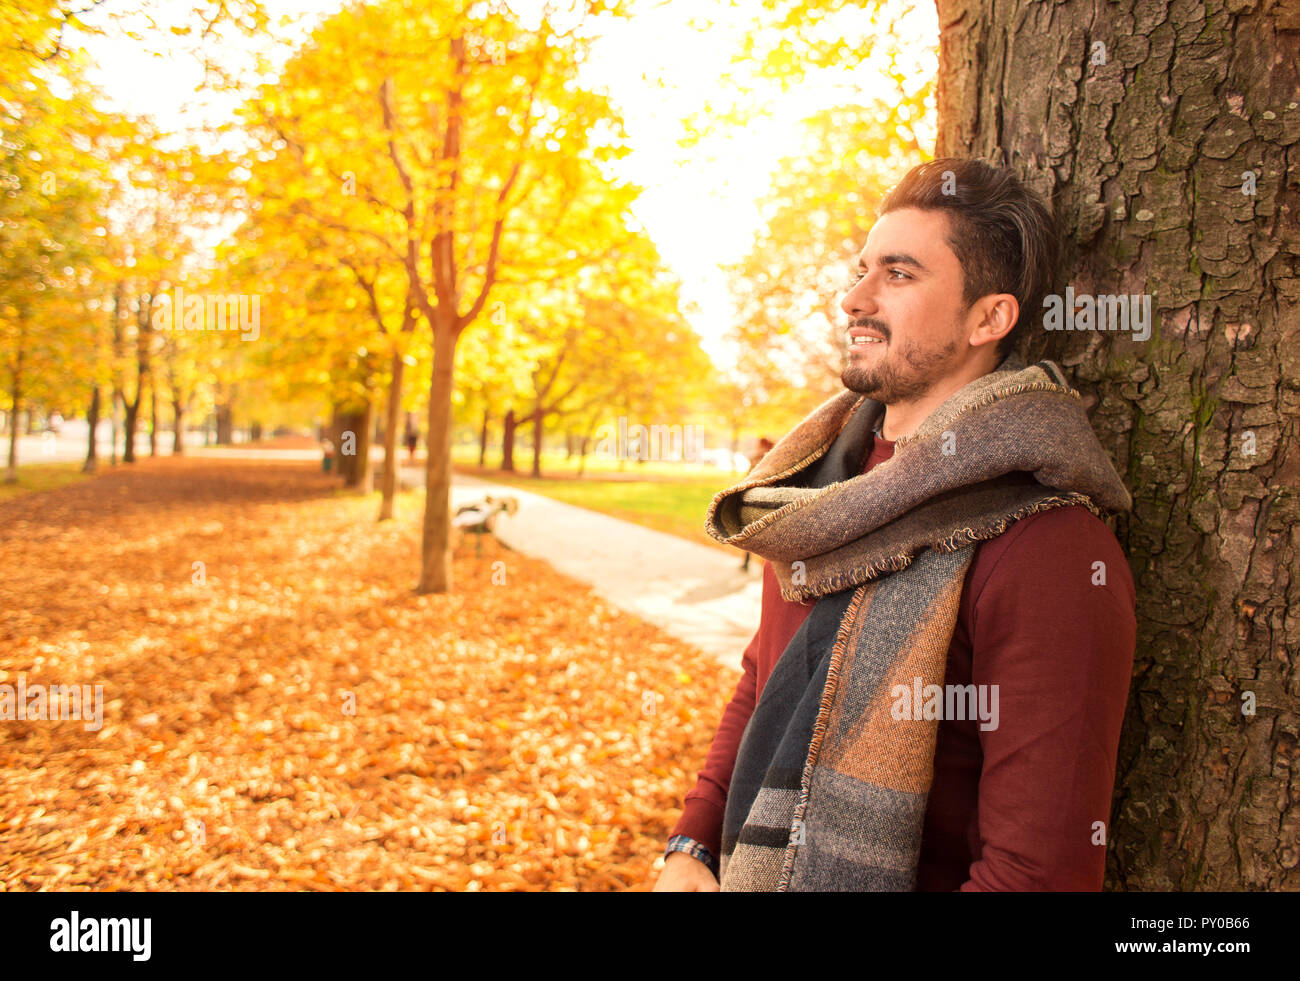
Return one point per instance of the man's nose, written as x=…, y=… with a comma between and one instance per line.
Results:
x=858, y=301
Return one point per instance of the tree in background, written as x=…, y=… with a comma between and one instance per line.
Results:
x=50, y=205
x=459, y=143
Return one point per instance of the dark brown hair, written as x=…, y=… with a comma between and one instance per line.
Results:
x=1002, y=233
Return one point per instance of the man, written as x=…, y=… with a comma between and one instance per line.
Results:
x=934, y=695
x=411, y=436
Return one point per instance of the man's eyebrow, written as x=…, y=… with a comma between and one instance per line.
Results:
x=897, y=259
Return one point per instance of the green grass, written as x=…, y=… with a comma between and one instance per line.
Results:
x=555, y=463
x=33, y=477
x=667, y=497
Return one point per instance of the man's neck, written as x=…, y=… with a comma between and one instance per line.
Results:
x=903, y=418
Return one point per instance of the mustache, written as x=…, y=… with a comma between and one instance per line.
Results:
x=873, y=323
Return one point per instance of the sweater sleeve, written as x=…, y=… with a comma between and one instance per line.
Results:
x=1054, y=629
x=705, y=804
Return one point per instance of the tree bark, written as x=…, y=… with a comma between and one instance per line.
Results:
x=508, y=442
x=114, y=416
x=483, y=438
x=143, y=340
x=388, y=487
x=582, y=454
x=153, y=416
x=361, y=473
x=354, y=467
x=435, y=571
x=225, y=424
x=178, y=426
x=537, y=441
x=128, y=447
x=92, y=419
x=1168, y=153
x=15, y=400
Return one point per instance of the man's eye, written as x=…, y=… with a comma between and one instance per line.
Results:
x=900, y=272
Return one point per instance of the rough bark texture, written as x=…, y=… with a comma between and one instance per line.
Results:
x=1142, y=149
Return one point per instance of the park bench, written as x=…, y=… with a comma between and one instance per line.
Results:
x=479, y=519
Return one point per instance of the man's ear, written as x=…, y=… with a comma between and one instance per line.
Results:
x=994, y=316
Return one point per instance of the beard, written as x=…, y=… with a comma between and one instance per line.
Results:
x=893, y=376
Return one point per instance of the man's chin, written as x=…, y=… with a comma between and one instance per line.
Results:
x=862, y=383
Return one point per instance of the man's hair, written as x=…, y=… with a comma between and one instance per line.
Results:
x=1003, y=233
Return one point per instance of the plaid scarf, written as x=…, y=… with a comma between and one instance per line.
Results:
x=829, y=789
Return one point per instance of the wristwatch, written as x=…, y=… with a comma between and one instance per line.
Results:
x=682, y=843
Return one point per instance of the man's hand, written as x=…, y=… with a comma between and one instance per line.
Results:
x=685, y=873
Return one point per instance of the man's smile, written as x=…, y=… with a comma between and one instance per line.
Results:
x=864, y=335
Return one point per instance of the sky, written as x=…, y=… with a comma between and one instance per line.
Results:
x=700, y=205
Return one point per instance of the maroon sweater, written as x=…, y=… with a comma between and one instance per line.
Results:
x=1013, y=808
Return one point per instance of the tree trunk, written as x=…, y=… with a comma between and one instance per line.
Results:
x=508, y=442
x=361, y=478
x=153, y=417
x=435, y=570
x=388, y=487
x=15, y=395
x=132, y=414
x=582, y=455
x=178, y=425
x=353, y=433
x=1165, y=136
x=114, y=417
x=119, y=396
x=92, y=419
x=225, y=424
x=483, y=439
x=537, y=441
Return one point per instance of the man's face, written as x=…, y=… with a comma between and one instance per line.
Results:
x=909, y=297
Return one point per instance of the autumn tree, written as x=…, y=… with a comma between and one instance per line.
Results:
x=48, y=211
x=472, y=144
x=614, y=329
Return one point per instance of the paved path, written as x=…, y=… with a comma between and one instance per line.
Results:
x=698, y=594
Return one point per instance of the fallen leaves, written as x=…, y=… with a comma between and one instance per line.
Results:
x=296, y=718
